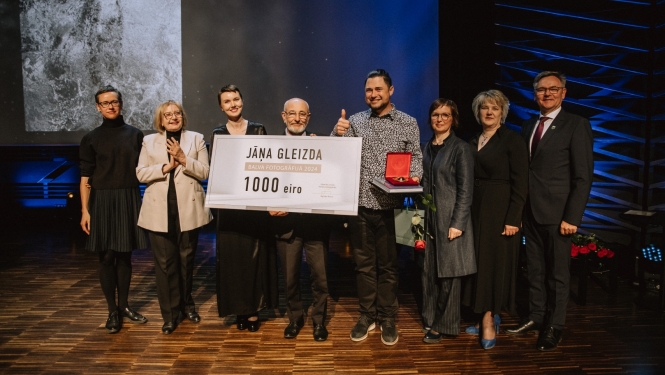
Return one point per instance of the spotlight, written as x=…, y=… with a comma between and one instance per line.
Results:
x=652, y=253
x=652, y=261
x=73, y=206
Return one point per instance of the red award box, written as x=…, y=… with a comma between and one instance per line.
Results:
x=398, y=168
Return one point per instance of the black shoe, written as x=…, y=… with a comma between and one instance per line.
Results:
x=253, y=325
x=549, y=339
x=320, y=332
x=292, y=330
x=168, y=328
x=241, y=322
x=194, y=317
x=431, y=338
x=132, y=316
x=524, y=327
x=113, y=322
x=360, y=331
x=389, y=334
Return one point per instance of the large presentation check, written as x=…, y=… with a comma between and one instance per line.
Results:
x=282, y=173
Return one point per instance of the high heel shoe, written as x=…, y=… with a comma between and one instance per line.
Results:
x=472, y=330
x=489, y=344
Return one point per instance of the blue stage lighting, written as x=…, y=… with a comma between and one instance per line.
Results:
x=652, y=253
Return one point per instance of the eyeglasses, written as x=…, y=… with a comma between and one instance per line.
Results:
x=169, y=115
x=114, y=103
x=554, y=90
x=293, y=114
x=444, y=116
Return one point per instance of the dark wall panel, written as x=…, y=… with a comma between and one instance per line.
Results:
x=612, y=53
x=320, y=51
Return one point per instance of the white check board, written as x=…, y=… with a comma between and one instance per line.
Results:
x=282, y=173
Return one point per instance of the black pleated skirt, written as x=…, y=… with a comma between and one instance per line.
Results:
x=113, y=217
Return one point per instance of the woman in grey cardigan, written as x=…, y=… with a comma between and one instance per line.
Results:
x=448, y=176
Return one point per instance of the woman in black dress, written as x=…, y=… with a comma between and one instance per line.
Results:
x=111, y=200
x=500, y=172
x=246, y=266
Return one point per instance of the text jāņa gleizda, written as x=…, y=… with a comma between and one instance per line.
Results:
x=267, y=184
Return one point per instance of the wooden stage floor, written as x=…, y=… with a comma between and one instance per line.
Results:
x=52, y=314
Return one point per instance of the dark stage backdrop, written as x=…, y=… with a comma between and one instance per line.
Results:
x=320, y=51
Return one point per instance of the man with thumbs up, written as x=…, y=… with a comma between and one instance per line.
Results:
x=383, y=129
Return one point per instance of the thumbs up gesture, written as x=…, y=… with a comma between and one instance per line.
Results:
x=342, y=126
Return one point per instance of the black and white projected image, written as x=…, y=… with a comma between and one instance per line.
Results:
x=71, y=48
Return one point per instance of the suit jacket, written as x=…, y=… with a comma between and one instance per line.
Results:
x=561, y=170
x=307, y=226
x=189, y=192
x=449, y=178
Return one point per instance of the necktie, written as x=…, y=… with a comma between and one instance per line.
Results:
x=538, y=134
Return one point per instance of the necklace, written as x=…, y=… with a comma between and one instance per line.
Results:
x=484, y=138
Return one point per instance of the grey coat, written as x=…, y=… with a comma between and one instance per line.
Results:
x=449, y=178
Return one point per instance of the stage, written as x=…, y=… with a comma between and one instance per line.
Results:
x=52, y=315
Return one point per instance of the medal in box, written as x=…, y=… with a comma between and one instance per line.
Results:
x=398, y=169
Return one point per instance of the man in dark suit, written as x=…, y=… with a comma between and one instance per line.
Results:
x=297, y=231
x=560, y=176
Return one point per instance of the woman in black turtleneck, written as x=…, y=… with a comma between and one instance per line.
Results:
x=111, y=201
x=172, y=163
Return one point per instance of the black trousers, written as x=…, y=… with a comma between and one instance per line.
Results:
x=373, y=242
x=548, y=271
x=316, y=255
x=174, y=268
x=441, y=298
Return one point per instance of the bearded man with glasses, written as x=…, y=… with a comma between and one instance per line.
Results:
x=295, y=233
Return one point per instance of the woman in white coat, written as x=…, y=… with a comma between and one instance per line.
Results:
x=172, y=163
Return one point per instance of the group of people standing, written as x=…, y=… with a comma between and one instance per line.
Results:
x=116, y=157
x=485, y=192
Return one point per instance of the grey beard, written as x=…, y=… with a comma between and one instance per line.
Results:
x=293, y=132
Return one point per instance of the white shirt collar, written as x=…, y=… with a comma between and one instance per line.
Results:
x=552, y=115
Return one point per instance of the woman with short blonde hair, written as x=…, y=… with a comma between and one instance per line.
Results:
x=173, y=163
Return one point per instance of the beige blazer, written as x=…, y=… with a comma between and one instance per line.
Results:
x=189, y=191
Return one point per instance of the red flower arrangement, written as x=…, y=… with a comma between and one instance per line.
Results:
x=589, y=244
